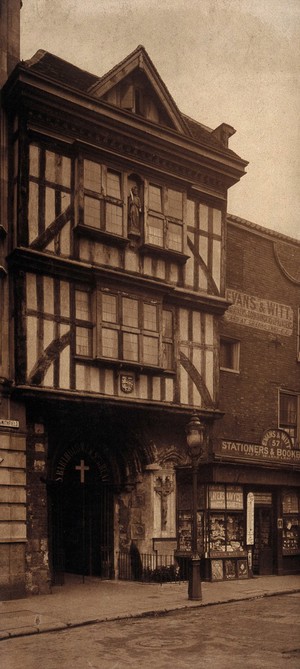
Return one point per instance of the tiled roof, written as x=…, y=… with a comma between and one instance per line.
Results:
x=48, y=65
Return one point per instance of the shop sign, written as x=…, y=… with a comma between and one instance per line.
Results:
x=259, y=313
x=217, y=497
x=276, y=448
x=4, y=422
x=250, y=519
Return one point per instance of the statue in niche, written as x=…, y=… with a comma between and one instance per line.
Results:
x=164, y=487
x=134, y=212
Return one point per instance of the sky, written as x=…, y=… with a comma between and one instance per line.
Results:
x=223, y=61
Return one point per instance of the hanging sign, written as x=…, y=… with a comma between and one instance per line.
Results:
x=250, y=519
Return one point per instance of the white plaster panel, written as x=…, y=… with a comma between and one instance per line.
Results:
x=65, y=240
x=173, y=273
x=48, y=333
x=209, y=369
x=109, y=382
x=184, y=398
x=64, y=368
x=203, y=211
x=48, y=295
x=169, y=385
x=49, y=206
x=203, y=283
x=49, y=377
x=143, y=388
x=95, y=380
x=196, y=316
x=156, y=393
x=84, y=250
x=80, y=382
x=31, y=296
x=33, y=211
x=217, y=222
x=131, y=260
x=209, y=329
x=65, y=298
x=183, y=324
x=161, y=269
x=31, y=342
x=217, y=262
x=147, y=265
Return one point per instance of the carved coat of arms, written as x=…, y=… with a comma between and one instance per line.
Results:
x=127, y=383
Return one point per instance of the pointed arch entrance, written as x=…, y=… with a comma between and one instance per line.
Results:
x=82, y=515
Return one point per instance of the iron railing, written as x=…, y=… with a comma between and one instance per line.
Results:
x=151, y=567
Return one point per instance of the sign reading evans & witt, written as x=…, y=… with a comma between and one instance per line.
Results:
x=275, y=447
x=256, y=312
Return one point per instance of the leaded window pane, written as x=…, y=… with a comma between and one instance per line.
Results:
x=150, y=350
x=175, y=237
x=109, y=308
x=114, y=218
x=150, y=317
x=155, y=198
x=175, y=203
x=114, y=184
x=130, y=346
x=92, y=176
x=155, y=231
x=92, y=212
x=130, y=312
x=109, y=343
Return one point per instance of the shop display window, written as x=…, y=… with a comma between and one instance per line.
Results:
x=291, y=523
x=226, y=530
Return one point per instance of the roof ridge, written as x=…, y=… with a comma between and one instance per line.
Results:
x=260, y=228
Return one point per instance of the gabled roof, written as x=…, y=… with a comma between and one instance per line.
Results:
x=139, y=60
x=58, y=70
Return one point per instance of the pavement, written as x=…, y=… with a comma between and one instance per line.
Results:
x=78, y=603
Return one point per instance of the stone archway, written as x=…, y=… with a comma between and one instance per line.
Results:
x=82, y=514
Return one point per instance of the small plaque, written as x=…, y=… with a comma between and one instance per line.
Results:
x=242, y=567
x=4, y=422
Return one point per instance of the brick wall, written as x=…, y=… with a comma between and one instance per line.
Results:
x=267, y=357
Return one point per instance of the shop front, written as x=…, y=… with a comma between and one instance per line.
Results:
x=248, y=512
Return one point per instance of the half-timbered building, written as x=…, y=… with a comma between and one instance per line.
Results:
x=115, y=259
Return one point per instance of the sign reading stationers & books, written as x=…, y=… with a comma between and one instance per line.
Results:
x=275, y=447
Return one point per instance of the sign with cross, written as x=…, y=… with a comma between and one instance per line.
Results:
x=82, y=468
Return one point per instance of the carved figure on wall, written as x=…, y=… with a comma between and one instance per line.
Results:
x=134, y=211
x=164, y=487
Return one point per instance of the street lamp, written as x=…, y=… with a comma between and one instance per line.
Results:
x=195, y=438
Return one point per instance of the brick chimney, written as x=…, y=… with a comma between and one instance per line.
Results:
x=9, y=37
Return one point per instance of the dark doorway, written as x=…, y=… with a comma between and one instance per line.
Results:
x=263, y=541
x=82, y=517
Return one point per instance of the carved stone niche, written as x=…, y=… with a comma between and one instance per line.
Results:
x=135, y=205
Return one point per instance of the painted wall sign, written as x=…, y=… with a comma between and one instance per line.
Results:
x=259, y=313
x=268, y=452
x=250, y=519
x=4, y=422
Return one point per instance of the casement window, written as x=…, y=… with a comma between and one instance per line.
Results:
x=229, y=355
x=49, y=191
x=128, y=328
x=84, y=325
x=165, y=218
x=102, y=200
x=289, y=406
